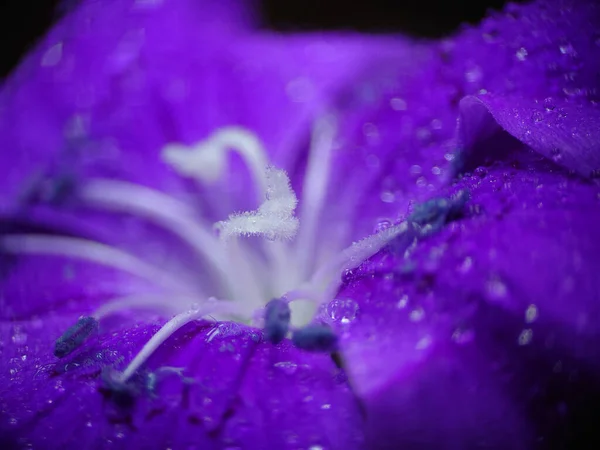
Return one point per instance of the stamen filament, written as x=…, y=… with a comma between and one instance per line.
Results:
x=314, y=190
x=206, y=160
x=246, y=288
x=155, y=302
x=328, y=277
x=274, y=219
x=86, y=250
x=164, y=210
x=168, y=329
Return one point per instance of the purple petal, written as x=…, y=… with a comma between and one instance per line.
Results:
x=481, y=340
x=243, y=393
x=103, y=96
x=318, y=406
x=51, y=104
x=535, y=69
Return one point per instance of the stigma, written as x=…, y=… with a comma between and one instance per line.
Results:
x=265, y=267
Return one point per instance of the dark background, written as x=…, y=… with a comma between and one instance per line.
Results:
x=23, y=22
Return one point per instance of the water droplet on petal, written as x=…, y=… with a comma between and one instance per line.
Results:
x=473, y=75
x=53, y=55
x=525, y=336
x=556, y=154
x=382, y=225
x=567, y=49
x=423, y=343
x=19, y=338
x=461, y=336
x=402, y=302
x=398, y=104
x=531, y=314
x=549, y=104
x=537, y=116
x=387, y=197
x=481, y=172
x=287, y=367
x=496, y=289
x=466, y=265
x=416, y=315
x=521, y=54
x=342, y=310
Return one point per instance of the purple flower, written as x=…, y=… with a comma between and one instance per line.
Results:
x=180, y=193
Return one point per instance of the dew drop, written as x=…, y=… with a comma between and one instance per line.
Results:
x=342, y=310
x=382, y=225
x=423, y=343
x=537, y=116
x=572, y=91
x=402, y=302
x=481, y=172
x=496, y=289
x=525, y=336
x=549, y=104
x=347, y=276
x=416, y=315
x=398, y=104
x=461, y=336
x=287, y=367
x=474, y=75
x=195, y=306
x=326, y=406
x=300, y=90
x=387, y=197
x=53, y=55
x=316, y=447
x=466, y=265
x=415, y=169
x=556, y=154
x=521, y=54
x=531, y=314
x=449, y=157
x=371, y=133
x=19, y=338
x=567, y=49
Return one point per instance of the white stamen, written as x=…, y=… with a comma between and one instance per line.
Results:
x=329, y=274
x=166, y=211
x=172, y=326
x=154, y=302
x=246, y=276
x=242, y=264
x=206, y=160
x=274, y=218
x=314, y=189
x=206, y=163
x=88, y=251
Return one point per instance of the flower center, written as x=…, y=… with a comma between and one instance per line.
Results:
x=278, y=262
